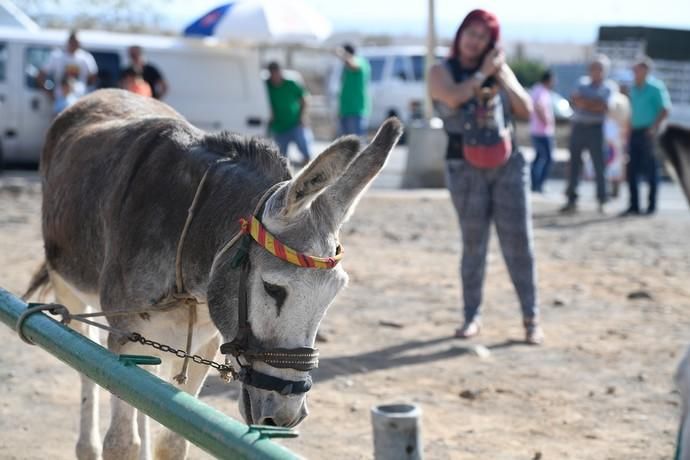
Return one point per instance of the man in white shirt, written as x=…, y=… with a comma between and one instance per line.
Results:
x=72, y=63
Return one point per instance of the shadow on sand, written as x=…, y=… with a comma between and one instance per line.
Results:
x=404, y=354
x=558, y=221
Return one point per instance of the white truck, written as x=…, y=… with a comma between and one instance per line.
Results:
x=216, y=86
x=670, y=50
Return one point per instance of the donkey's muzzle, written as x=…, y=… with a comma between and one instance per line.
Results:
x=268, y=382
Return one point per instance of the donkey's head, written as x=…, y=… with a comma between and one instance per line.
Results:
x=287, y=294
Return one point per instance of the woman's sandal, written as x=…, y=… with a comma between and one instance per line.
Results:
x=534, y=335
x=468, y=330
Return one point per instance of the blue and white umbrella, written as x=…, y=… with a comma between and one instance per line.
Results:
x=262, y=21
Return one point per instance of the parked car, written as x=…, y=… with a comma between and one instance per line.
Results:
x=397, y=84
x=215, y=86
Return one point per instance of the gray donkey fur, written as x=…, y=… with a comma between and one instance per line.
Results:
x=119, y=173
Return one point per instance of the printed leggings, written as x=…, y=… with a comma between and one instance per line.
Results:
x=501, y=195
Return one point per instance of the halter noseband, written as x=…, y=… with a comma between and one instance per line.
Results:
x=301, y=359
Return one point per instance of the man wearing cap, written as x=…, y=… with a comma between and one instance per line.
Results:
x=650, y=104
x=591, y=102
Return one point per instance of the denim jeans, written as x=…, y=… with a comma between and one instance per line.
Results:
x=642, y=163
x=353, y=124
x=543, y=147
x=298, y=135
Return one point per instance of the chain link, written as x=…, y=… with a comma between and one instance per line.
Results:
x=227, y=372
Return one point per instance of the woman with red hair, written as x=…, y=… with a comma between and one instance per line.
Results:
x=477, y=95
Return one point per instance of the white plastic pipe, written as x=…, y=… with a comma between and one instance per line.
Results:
x=397, y=432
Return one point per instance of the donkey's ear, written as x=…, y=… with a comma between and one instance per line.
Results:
x=318, y=175
x=341, y=197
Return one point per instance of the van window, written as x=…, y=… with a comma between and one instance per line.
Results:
x=3, y=61
x=400, y=68
x=35, y=58
x=418, y=67
x=376, y=63
x=108, y=63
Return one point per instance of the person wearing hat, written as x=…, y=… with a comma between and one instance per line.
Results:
x=475, y=91
x=650, y=103
x=591, y=101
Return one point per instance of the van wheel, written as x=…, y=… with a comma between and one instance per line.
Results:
x=2, y=162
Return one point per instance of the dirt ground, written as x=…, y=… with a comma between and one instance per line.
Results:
x=615, y=299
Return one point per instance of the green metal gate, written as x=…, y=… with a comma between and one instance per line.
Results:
x=202, y=425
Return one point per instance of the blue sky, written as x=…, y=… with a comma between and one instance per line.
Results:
x=541, y=20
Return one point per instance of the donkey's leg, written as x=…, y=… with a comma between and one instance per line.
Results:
x=89, y=442
x=145, y=435
x=144, y=423
x=122, y=441
x=170, y=445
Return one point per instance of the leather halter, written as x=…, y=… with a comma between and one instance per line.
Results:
x=301, y=359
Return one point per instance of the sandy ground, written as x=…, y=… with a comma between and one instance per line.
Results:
x=614, y=294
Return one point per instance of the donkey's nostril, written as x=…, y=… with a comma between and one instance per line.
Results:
x=268, y=421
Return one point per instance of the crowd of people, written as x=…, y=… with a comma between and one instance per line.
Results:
x=70, y=73
x=288, y=102
x=478, y=97
x=613, y=118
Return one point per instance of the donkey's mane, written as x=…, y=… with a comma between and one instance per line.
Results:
x=259, y=153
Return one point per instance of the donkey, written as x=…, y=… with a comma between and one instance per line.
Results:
x=675, y=141
x=682, y=379
x=119, y=173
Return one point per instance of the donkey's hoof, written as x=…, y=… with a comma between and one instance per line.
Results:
x=88, y=451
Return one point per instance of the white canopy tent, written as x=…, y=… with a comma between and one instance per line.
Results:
x=12, y=16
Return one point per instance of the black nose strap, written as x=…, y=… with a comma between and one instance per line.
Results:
x=268, y=382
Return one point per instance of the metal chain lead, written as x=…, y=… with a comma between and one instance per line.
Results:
x=227, y=373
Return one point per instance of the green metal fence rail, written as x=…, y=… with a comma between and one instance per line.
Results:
x=212, y=431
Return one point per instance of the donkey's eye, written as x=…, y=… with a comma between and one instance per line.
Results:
x=279, y=293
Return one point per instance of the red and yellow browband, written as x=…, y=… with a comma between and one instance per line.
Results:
x=259, y=233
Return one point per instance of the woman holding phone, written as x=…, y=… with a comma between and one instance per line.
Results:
x=478, y=95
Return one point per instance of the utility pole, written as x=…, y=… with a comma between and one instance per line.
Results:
x=430, y=56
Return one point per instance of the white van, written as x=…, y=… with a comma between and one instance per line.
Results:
x=397, y=80
x=216, y=86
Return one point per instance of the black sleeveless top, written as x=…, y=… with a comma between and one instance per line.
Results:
x=452, y=118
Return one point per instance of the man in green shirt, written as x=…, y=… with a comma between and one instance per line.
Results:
x=354, y=93
x=288, y=101
x=650, y=103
